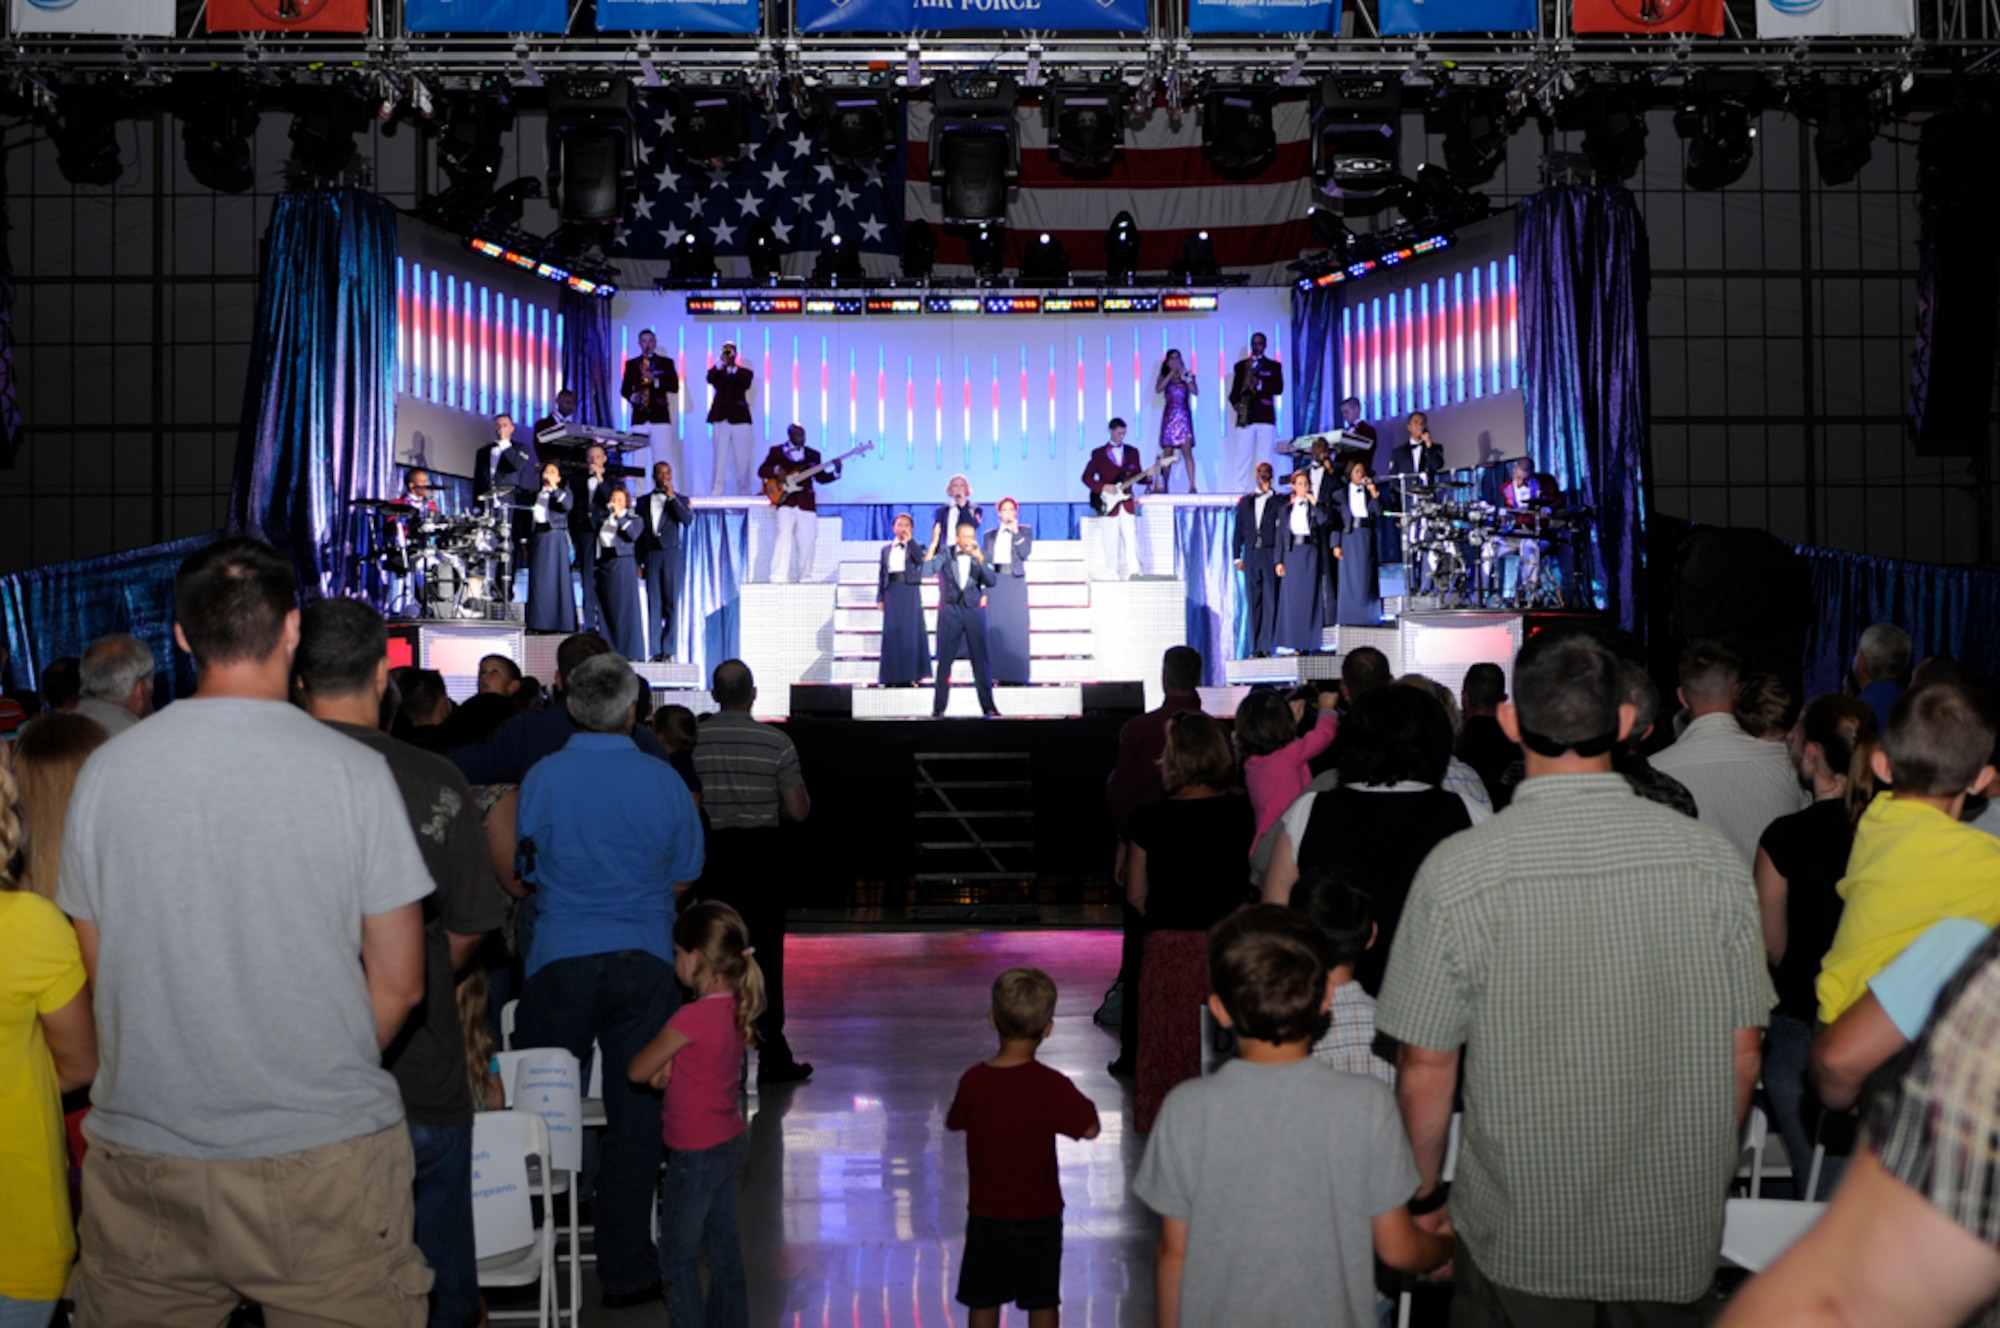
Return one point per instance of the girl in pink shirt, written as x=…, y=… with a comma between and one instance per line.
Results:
x=697, y=1059
x=1276, y=765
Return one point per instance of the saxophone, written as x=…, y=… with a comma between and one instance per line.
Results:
x=642, y=396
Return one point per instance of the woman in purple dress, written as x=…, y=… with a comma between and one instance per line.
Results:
x=1177, y=390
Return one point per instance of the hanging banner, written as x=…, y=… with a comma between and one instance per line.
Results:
x=951, y=15
x=1702, y=17
x=1402, y=18
x=1281, y=16
x=1836, y=18
x=485, y=16
x=678, y=16
x=114, y=18
x=288, y=15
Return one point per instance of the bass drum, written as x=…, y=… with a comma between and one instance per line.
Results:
x=441, y=584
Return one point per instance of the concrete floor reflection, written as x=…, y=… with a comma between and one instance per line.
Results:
x=854, y=1205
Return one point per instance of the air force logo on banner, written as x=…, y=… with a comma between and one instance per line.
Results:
x=1796, y=7
x=51, y=6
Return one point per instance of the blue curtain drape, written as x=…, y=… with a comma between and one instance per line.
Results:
x=1952, y=611
x=707, y=622
x=319, y=405
x=1217, y=624
x=1315, y=391
x=590, y=361
x=1584, y=279
x=49, y=612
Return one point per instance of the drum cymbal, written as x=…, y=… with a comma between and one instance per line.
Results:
x=398, y=503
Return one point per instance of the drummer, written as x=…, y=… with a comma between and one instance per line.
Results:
x=1523, y=493
x=419, y=492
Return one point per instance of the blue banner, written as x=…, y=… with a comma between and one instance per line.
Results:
x=1280, y=16
x=678, y=16
x=1400, y=18
x=944, y=15
x=486, y=16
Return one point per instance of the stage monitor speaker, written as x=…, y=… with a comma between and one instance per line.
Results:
x=1114, y=698
x=822, y=700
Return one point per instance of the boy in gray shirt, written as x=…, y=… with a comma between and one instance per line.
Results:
x=1278, y=1178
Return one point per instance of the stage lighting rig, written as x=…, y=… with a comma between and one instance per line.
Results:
x=1236, y=128
x=919, y=250
x=985, y=243
x=760, y=243
x=1434, y=201
x=975, y=149
x=218, y=123
x=711, y=125
x=593, y=146
x=857, y=124
x=838, y=264
x=1121, y=248
x=1197, y=260
x=1720, y=138
x=1613, y=123
x=1844, y=142
x=1085, y=122
x=503, y=210
x=84, y=128
x=691, y=262
x=1475, y=125
x=1044, y=260
x=1356, y=126
x=470, y=146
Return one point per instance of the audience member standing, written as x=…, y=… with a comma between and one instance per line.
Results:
x=48, y=1047
x=342, y=669
x=1583, y=943
x=610, y=839
x=116, y=674
x=1481, y=744
x=750, y=782
x=47, y=760
x=1629, y=760
x=1740, y=784
x=247, y=894
x=1881, y=663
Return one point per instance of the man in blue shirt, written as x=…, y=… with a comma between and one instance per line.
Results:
x=1881, y=662
x=609, y=838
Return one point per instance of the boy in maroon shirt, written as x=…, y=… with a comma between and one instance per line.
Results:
x=1011, y=1109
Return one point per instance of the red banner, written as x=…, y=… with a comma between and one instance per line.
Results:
x=288, y=15
x=1703, y=17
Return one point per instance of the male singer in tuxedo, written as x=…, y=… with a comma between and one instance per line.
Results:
x=664, y=513
x=653, y=414
x=1254, y=392
x=732, y=435
x=586, y=518
x=504, y=468
x=963, y=577
x=1257, y=517
x=1117, y=463
x=1419, y=460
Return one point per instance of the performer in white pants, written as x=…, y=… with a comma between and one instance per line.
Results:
x=797, y=514
x=651, y=386
x=730, y=428
x=1253, y=391
x=1115, y=466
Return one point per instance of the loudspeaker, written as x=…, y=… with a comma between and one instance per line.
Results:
x=822, y=700
x=1114, y=698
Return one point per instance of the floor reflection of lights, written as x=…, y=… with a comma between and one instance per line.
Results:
x=854, y=1206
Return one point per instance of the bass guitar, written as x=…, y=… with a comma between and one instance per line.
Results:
x=778, y=488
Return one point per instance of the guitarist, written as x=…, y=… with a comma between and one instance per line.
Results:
x=1116, y=466
x=797, y=513
x=1253, y=391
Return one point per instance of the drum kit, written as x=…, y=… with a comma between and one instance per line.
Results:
x=1455, y=544
x=442, y=566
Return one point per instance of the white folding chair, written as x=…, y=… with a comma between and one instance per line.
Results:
x=547, y=1081
x=507, y=1025
x=1405, y=1302
x=513, y=1250
x=1764, y=1154
x=1756, y=1231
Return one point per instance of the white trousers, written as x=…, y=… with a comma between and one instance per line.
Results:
x=1246, y=447
x=666, y=447
x=735, y=459
x=797, y=528
x=1121, y=550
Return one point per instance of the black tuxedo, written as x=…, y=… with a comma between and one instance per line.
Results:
x=1256, y=549
x=517, y=469
x=660, y=566
x=961, y=623
x=586, y=518
x=1258, y=381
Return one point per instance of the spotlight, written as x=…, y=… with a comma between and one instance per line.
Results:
x=975, y=152
x=323, y=137
x=837, y=263
x=469, y=144
x=984, y=244
x=1719, y=138
x=1197, y=259
x=1045, y=260
x=593, y=147
x=1121, y=248
x=1084, y=123
x=856, y=124
x=1474, y=124
x=1613, y=122
x=711, y=125
x=1356, y=122
x=1845, y=139
x=919, y=250
x=692, y=261
x=760, y=242
x=218, y=122
x=84, y=128
x=503, y=210
x=1330, y=231
x=1236, y=128
x=1434, y=201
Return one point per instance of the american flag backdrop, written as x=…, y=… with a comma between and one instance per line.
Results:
x=1162, y=177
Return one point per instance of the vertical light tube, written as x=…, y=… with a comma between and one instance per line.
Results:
x=795, y=383
x=853, y=398
x=937, y=407
x=910, y=408
x=1024, y=400
x=1513, y=323
x=402, y=328
x=448, y=361
x=1109, y=410
x=965, y=408
x=882, y=395
x=1423, y=338
x=1391, y=362
x=1082, y=434
x=1052, y=400
x=1493, y=324
x=1347, y=353
x=1475, y=340
x=431, y=355
x=1409, y=349
x=559, y=362
x=1441, y=348
x=1376, y=406
x=825, y=369
x=764, y=378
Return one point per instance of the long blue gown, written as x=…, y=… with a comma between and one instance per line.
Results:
x=1360, y=601
x=906, y=645
x=1302, y=611
x=551, y=607
x=618, y=588
x=1007, y=641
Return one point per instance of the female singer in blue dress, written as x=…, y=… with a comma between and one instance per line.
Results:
x=551, y=603
x=1006, y=550
x=618, y=575
x=1301, y=608
x=1177, y=389
x=899, y=593
x=1358, y=508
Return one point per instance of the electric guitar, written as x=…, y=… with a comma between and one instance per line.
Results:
x=778, y=489
x=1108, y=498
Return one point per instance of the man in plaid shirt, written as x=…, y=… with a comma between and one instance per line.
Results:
x=1599, y=959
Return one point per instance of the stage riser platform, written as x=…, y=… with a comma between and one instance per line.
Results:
x=1441, y=645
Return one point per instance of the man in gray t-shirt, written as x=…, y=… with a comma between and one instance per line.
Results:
x=247, y=891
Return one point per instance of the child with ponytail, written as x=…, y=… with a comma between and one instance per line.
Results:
x=697, y=1059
